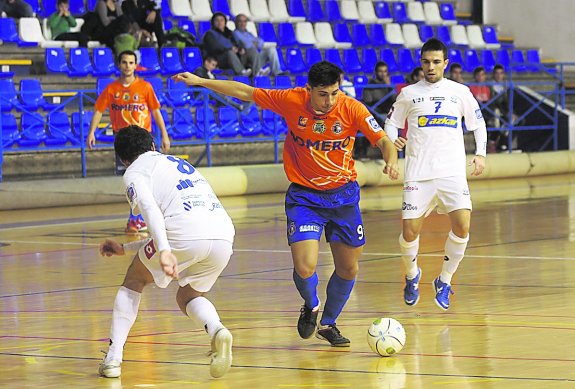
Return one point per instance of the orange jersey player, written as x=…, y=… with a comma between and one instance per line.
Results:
x=324, y=195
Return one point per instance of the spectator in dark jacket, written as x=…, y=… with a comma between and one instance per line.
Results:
x=205, y=71
x=147, y=14
x=16, y=9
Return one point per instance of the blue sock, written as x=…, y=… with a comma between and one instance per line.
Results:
x=338, y=291
x=307, y=289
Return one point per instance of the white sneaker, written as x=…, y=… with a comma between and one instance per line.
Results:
x=246, y=72
x=110, y=369
x=221, y=353
x=264, y=72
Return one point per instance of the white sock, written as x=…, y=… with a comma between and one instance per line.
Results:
x=454, y=251
x=123, y=317
x=409, y=256
x=204, y=313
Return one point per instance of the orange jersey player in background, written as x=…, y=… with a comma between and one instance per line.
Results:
x=324, y=195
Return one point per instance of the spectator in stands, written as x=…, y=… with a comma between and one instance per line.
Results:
x=60, y=23
x=16, y=9
x=416, y=75
x=111, y=21
x=501, y=105
x=205, y=71
x=147, y=14
x=482, y=93
x=456, y=73
x=130, y=100
x=219, y=42
x=256, y=55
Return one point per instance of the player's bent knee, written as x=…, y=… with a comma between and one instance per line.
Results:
x=186, y=294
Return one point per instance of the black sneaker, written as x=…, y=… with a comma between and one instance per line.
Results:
x=332, y=335
x=307, y=321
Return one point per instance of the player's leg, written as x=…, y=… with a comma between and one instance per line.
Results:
x=209, y=258
x=124, y=315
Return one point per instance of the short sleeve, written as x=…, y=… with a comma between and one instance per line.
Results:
x=398, y=112
x=272, y=99
x=472, y=112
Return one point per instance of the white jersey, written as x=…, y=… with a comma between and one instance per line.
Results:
x=177, y=202
x=434, y=112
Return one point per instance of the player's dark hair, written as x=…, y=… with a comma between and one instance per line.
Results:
x=126, y=52
x=380, y=64
x=498, y=67
x=215, y=15
x=132, y=141
x=323, y=73
x=455, y=65
x=478, y=70
x=434, y=44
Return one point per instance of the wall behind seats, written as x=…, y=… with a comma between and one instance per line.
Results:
x=534, y=23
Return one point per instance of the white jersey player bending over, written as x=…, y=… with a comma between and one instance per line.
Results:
x=186, y=221
x=435, y=171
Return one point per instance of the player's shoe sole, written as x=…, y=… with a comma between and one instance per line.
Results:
x=221, y=353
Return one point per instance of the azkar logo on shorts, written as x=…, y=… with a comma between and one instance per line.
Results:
x=437, y=121
x=149, y=249
x=319, y=127
x=291, y=229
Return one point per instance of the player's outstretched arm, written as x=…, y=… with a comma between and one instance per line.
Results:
x=235, y=89
x=111, y=247
x=389, y=153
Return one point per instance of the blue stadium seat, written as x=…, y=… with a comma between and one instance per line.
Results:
x=177, y=93
x=165, y=5
x=332, y=11
x=312, y=55
x=405, y=60
x=397, y=79
x=267, y=32
x=359, y=36
x=369, y=59
x=103, y=62
x=223, y=7
x=341, y=32
x=31, y=94
x=444, y=35
x=426, y=32
x=167, y=123
x=48, y=8
x=59, y=129
x=203, y=26
x=36, y=8
x=488, y=60
x=91, y=4
x=388, y=56
x=400, y=13
x=358, y=82
x=332, y=55
x=296, y=9
x=315, y=12
x=8, y=96
x=56, y=61
x=167, y=23
x=471, y=60
x=192, y=58
x=242, y=79
x=351, y=62
x=382, y=10
x=10, y=133
x=490, y=35
x=80, y=63
x=86, y=119
x=149, y=61
x=189, y=26
x=262, y=82
x=207, y=126
x=251, y=124
x=300, y=80
x=171, y=61
x=158, y=85
x=533, y=60
x=33, y=132
x=287, y=36
x=282, y=82
x=281, y=60
x=102, y=83
x=503, y=58
x=183, y=124
x=447, y=12
x=454, y=55
x=273, y=124
x=229, y=122
x=77, y=8
x=294, y=61
x=518, y=61
x=8, y=31
x=377, y=34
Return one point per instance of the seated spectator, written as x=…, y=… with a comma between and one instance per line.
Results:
x=416, y=75
x=501, y=105
x=219, y=42
x=60, y=23
x=256, y=55
x=205, y=71
x=111, y=21
x=147, y=14
x=456, y=73
x=16, y=9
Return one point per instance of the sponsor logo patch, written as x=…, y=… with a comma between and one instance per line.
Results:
x=302, y=121
x=373, y=124
x=150, y=249
x=337, y=128
x=131, y=193
x=410, y=188
x=408, y=207
x=478, y=114
x=308, y=228
x=319, y=127
x=437, y=121
x=437, y=98
x=126, y=96
x=291, y=229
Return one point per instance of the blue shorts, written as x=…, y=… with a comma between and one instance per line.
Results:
x=309, y=211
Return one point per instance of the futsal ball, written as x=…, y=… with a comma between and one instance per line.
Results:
x=386, y=336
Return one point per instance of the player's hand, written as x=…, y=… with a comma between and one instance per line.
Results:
x=169, y=263
x=188, y=78
x=91, y=141
x=479, y=162
x=391, y=170
x=111, y=247
x=165, y=145
x=400, y=143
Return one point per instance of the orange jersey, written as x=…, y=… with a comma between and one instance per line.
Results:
x=129, y=104
x=318, y=148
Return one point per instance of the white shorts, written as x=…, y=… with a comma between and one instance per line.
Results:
x=200, y=262
x=447, y=194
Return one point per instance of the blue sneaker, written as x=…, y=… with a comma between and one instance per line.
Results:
x=411, y=290
x=442, y=292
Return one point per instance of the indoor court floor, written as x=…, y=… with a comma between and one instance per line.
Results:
x=511, y=323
